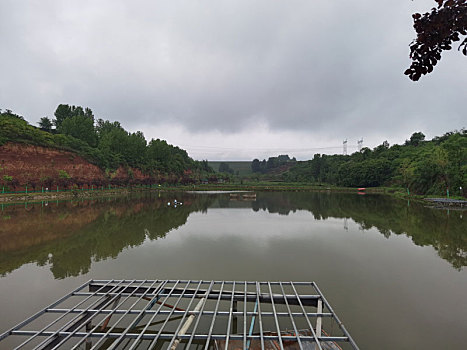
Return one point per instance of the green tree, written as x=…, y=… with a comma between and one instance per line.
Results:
x=64, y=112
x=104, y=126
x=272, y=163
x=225, y=168
x=88, y=113
x=255, y=166
x=135, y=152
x=456, y=148
x=61, y=113
x=167, y=158
x=406, y=171
x=415, y=139
x=45, y=124
x=80, y=127
x=112, y=143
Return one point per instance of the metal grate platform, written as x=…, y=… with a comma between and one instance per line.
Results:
x=170, y=314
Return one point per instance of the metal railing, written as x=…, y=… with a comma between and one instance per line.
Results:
x=170, y=314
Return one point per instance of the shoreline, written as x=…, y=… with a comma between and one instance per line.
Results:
x=49, y=196
x=38, y=196
x=440, y=203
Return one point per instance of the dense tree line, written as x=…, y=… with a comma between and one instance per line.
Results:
x=225, y=168
x=424, y=167
x=102, y=142
x=271, y=164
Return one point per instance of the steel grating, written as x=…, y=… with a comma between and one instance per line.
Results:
x=182, y=314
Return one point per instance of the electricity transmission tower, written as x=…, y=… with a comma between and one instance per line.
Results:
x=344, y=145
x=360, y=144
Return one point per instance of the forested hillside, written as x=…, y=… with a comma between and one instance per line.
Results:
x=421, y=166
x=102, y=142
x=424, y=167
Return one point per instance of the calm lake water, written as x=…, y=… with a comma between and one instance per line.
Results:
x=392, y=270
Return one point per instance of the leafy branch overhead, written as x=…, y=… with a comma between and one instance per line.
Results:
x=437, y=31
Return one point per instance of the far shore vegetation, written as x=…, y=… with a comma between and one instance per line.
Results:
x=418, y=167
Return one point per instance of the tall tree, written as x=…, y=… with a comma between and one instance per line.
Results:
x=255, y=166
x=225, y=168
x=136, y=149
x=104, y=127
x=45, y=124
x=88, y=113
x=79, y=127
x=415, y=139
x=61, y=113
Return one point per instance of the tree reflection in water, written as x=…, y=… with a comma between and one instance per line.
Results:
x=444, y=230
x=71, y=235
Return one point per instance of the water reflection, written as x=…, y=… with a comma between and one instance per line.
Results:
x=444, y=230
x=71, y=235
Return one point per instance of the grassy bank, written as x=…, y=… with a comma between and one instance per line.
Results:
x=271, y=186
x=47, y=196
x=250, y=186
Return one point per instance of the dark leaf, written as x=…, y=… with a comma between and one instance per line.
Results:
x=436, y=31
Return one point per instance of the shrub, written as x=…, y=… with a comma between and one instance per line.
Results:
x=62, y=174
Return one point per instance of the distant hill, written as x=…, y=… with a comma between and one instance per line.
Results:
x=243, y=167
x=433, y=167
x=81, y=150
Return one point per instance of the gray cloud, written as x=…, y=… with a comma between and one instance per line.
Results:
x=318, y=67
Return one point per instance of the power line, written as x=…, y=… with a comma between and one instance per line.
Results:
x=263, y=148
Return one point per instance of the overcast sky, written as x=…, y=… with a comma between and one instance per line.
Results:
x=231, y=79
